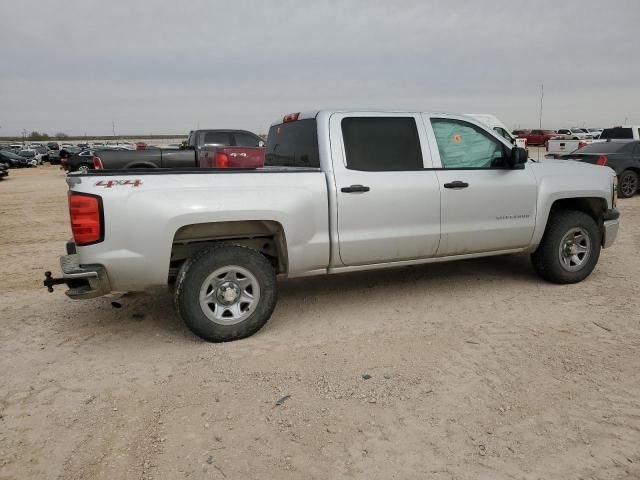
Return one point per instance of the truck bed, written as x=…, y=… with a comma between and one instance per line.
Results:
x=145, y=209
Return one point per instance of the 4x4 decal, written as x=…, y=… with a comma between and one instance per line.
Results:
x=117, y=183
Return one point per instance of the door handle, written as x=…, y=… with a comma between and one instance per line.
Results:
x=354, y=189
x=457, y=184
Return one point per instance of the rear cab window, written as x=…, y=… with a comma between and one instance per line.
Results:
x=217, y=138
x=246, y=139
x=293, y=144
x=617, y=132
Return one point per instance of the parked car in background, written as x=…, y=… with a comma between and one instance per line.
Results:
x=623, y=156
x=42, y=153
x=203, y=149
x=574, y=134
x=30, y=156
x=560, y=146
x=495, y=124
x=13, y=160
x=595, y=132
x=627, y=132
x=538, y=137
x=342, y=191
x=54, y=157
x=81, y=161
x=16, y=147
x=53, y=145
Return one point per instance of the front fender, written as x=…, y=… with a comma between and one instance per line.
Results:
x=568, y=180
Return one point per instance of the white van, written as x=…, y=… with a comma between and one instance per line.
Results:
x=492, y=122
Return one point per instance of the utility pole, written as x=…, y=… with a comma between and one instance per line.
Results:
x=541, y=100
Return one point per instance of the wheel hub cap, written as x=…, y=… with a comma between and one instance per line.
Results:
x=575, y=249
x=229, y=295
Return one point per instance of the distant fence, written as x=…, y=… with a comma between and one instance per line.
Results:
x=159, y=140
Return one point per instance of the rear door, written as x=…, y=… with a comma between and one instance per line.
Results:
x=388, y=200
x=485, y=205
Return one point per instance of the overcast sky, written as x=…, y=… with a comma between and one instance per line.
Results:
x=168, y=66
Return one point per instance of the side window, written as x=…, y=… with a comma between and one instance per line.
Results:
x=638, y=132
x=217, y=138
x=246, y=139
x=564, y=132
x=503, y=133
x=382, y=144
x=463, y=145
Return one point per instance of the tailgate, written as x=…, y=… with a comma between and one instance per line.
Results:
x=241, y=157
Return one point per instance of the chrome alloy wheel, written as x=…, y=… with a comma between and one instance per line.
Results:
x=574, y=249
x=628, y=184
x=229, y=295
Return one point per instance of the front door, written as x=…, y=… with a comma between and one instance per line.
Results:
x=485, y=205
x=388, y=204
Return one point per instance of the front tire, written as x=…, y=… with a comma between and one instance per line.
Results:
x=627, y=184
x=569, y=249
x=226, y=293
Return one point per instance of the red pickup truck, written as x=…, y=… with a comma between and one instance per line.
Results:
x=536, y=137
x=203, y=149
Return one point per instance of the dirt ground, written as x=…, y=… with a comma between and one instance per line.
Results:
x=478, y=370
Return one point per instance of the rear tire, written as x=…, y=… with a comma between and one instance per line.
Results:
x=84, y=168
x=627, y=184
x=226, y=293
x=569, y=249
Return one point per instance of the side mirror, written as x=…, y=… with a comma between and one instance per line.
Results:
x=518, y=158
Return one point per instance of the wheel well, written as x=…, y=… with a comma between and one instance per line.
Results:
x=267, y=237
x=636, y=170
x=594, y=207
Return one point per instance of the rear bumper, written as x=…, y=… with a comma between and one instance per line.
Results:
x=610, y=225
x=84, y=281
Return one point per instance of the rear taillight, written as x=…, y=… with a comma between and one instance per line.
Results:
x=97, y=163
x=221, y=160
x=291, y=117
x=582, y=144
x=602, y=160
x=87, y=220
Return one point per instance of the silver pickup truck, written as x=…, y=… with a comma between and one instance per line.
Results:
x=341, y=191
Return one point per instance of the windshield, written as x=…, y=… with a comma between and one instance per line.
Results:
x=10, y=155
